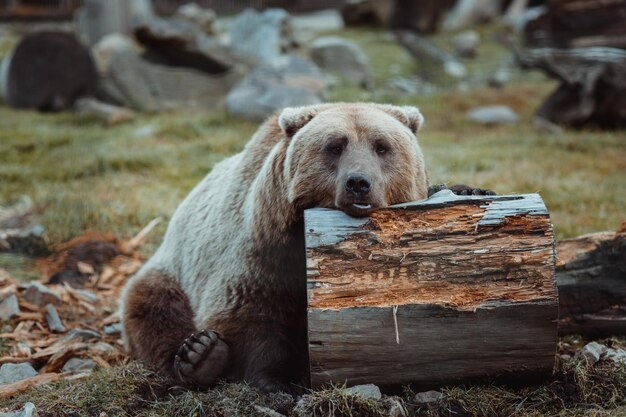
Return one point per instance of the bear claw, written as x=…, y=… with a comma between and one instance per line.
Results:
x=201, y=359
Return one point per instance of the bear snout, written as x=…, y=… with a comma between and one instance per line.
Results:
x=358, y=184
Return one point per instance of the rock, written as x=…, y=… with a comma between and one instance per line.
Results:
x=411, y=86
x=465, y=44
x=493, y=115
x=9, y=307
x=28, y=410
x=309, y=25
x=267, y=412
x=592, y=352
x=54, y=321
x=366, y=391
x=286, y=81
x=149, y=86
x=428, y=397
x=113, y=329
x=395, y=407
x=79, y=366
x=85, y=335
x=342, y=57
x=28, y=240
x=14, y=372
x=108, y=46
x=615, y=355
x=180, y=43
x=40, y=295
x=198, y=15
x=499, y=78
x=262, y=36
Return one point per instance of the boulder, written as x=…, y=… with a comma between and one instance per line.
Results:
x=148, y=86
x=592, y=352
x=309, y=25
x=262, y=36
x=14, y=372
x=286, y=81
x=108, y=46
x=493, y=115
x=465, y=44
x=201, y=16
x=428, y=397
x=342, y=57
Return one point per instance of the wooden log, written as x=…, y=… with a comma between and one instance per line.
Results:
x=445, y=290
x=591, y=278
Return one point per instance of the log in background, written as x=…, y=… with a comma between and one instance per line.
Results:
x=468, y=282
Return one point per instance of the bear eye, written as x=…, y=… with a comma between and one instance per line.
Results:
x=382, y=148
x=335, y=149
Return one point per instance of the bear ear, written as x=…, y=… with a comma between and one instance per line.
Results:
x=408, y=115
x=292, y=119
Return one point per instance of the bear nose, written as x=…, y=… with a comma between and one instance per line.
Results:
x=358, y=184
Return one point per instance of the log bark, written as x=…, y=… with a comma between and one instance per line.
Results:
x=446, y=290
x=591, y=277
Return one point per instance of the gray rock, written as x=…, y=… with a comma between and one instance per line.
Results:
x=28, y=410
x=9, y=307
x=465, y=44
x=592, y=352
x=149, y=86
x=286, y=81
x=107, y=47
x=40, y=295
x=262, y=36
x=615, y=355
x=267, y=412
x=428, y=397
x=308, y=25
x=111, y=329
x=14, y=372
x=493, y=115
x=198, y=15
x=54, y=321
x=29, y=240
x=366, y=391
x=395, y=407
x=79, y=366
x=84, y=335
x=342, y=57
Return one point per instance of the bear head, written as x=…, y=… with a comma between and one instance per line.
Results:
x=354, y=157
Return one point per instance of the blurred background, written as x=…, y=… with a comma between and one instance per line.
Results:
x=112, y=110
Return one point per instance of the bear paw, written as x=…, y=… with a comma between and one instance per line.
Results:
x=461, y=189
x=201, y=359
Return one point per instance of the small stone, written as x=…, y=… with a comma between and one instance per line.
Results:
x=28, y=410
x=592, y=352
x=112, y=329
x=14, y=372
x=85, y=335
x=79, y=366
x=493, y=115
x=40, y=295
x=465, y=43
x=395, y=407
x=366, y=391
x=54, y=321
x=9, y=308
x=428, y=397
x=267, y=412
x=615, y=355
x=342, y=57
x=199, y=15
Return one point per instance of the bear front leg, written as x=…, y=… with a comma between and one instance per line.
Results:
x=158, y=324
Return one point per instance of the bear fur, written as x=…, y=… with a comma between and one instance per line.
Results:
x=224, y=296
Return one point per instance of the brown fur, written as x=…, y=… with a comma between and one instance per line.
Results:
x=233, y=258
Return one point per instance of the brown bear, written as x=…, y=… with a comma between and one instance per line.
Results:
x=224, y=297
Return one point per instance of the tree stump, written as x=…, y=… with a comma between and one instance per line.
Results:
x=445, y=290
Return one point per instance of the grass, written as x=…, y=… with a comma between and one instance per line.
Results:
x=84, y=175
